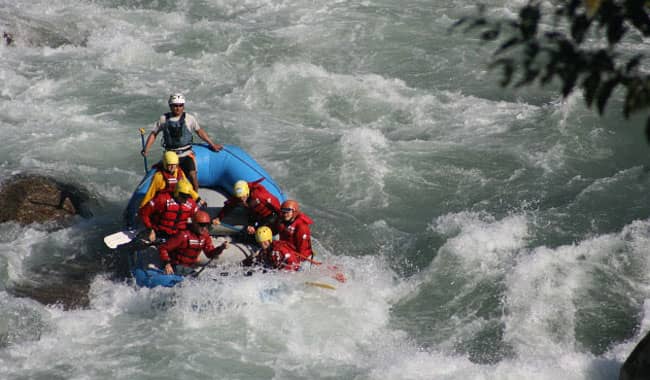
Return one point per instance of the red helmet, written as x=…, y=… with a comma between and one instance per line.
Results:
x=201, y=217
x=290, y=204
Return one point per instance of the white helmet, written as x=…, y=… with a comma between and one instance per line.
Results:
x=176, y=99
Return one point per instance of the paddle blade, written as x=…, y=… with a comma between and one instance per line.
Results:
x=112, y=241
x=320, y=285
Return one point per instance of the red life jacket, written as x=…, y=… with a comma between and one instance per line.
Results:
x=262, y=203
x=187, y=247
x=297, y=233
x=164, y=214
x=170, y=179
x=280, y=255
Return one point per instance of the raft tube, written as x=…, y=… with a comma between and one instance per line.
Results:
x=216, y=171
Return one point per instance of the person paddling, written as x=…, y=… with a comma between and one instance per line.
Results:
x=178, y=129
x=274, y=254
x=180, y=253
x=164, y=180
x=262, y=206
x=165, y=215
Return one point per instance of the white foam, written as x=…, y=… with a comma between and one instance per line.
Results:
x=481, y=241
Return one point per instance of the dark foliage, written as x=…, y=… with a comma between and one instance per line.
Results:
x=579, y=50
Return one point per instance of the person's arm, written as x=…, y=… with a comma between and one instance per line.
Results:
x=174, y=243
x=145, y=214
x=195, y=195
x=303, y=240
x=274, y=204
x=157, y=184
x=228, y=205
x=291, y=262
x=271, y=201
x=204, y=136
x=152, y=137
x=212, y=252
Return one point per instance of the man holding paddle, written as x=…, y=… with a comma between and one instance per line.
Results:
x=178, y=129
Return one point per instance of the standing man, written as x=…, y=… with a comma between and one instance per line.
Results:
x=178, y=129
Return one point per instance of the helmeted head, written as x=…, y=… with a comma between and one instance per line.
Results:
x=183, y=189
x=201, y=217
x=201, y=220
x=170, y=158
x=176, y=99
x=176, y=104
x=241, y=189
x=289, y=209
x=264, y=236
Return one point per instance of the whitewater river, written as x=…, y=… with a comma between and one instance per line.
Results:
x=486, y=233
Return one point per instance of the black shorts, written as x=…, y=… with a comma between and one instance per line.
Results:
x=187, y=164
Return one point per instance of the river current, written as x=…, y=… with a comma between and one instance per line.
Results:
x=486, y=233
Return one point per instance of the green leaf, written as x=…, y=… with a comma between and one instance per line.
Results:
x=528, y=78
x=579, y=28
x=637, y=97
x=507, y=45
x=590, y=86
x=615, y=29
x=508, y=68
x=569, y=81
x=604, y=92
x=633, y=63
x=490, y=35
x=528, y=19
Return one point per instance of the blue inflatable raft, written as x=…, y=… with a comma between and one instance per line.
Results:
x=217, y=172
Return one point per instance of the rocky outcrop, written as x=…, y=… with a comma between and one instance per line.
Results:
x=637, y=365
x=38, y=199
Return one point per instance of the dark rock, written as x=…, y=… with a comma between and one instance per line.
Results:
x=637, y=365
x=38, y=199
x=70, y=295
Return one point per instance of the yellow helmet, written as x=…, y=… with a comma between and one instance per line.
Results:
x=263, y=234
x=183, y=187
x=241, y=189
x=170, y=158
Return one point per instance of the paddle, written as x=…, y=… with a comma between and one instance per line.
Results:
x=320, y=285
x=196, y=274
x=229, y=227
x=223, y=246
x=112, y=241
x=309, y=283
x=146, y=166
